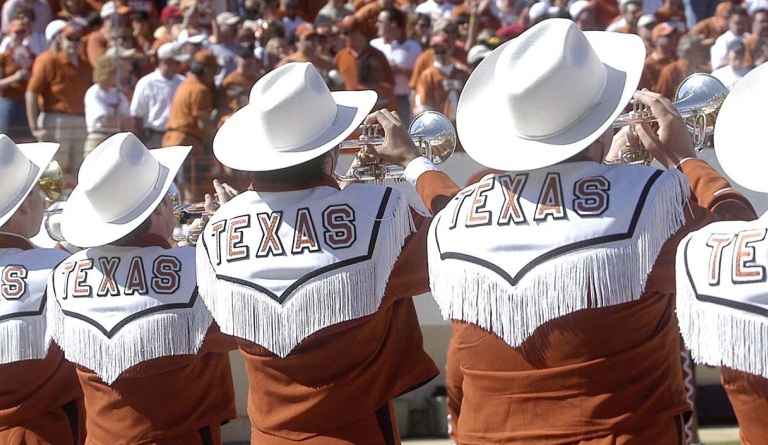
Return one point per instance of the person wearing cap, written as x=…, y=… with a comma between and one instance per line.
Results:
x=154, y=93
x=736, y=67
x=42, y=10
x=362, y=66
x=738, y=26
x=573, y=338
x=15, y=67
x=436, y=9
x=757, y=43
x=97, y=42
x=54, y=98
x=226, y=46
x=152, y=365
x=335, y=339
x=583, y=15
x=107, y=109
x=720, y=293
x=440, y=85
x=401, y=52
x=713, y=27
x=665, y=38
x=307, y=50
x=692, y=57
x=42, y=401
x=645, y=25
x=190, y=121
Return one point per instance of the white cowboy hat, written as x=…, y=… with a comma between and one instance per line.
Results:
x=739, y=150
x=291, y=118
x=546, y=95
x=20, y=168
x=120, y=184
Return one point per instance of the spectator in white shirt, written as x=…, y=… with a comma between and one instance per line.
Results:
x=153, y=96
x=401, y=53
x=736, y=68
x=436, y=9
x=738, y=23
x=106, y=107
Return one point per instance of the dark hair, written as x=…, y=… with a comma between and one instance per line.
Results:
x=738, y=10
x=395, y=15
x=196, y=68
x=304, y=174
x=27, y=11
x=245, y=51
x=135, y=234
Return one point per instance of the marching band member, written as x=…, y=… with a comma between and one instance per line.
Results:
x=125, y=309
x=721, y=289
x=562, y=309
x=316, y=282
x=40, y=399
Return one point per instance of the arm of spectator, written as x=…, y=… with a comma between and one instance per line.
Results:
x=33, y=112
x=18, y=76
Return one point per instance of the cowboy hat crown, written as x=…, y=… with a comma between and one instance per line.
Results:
x=20, y=168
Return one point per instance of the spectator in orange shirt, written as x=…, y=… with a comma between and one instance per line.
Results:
x=364, y=67
x=440, y=85
x=713, y=27
x=447, y=30
x=692, y=57
x=308, y=50
x=97, y=42
x=16, y=65
x=757, y=43
x=645, y=25
x=665, y=39
x=672, y=11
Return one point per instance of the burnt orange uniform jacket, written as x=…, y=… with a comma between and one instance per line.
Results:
x=603, y=376
x=748, y=394
x=166, y=401
x=326, y=391
x=40, y=400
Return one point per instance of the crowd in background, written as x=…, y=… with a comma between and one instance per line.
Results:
x=78, y=71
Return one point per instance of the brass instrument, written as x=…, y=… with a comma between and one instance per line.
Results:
x=186, y=213
x=51, y=182
x=698, y=99
x=432, y=133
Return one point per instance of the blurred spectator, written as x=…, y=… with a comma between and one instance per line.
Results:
x=440, y=85
x=249, y=9
x=246, y=74
x=692, y=57
x=34, y=40
x=41, y=8
x=171, y=19
x=645, y=25
x=290, y=17
x=445, y=29
x=307, y=50
x=401, y=53
x=605, y=11
x=334, y=11
x=735, y=68
x=225, y=48
x=419, y=27
x=698, y=10
x=523, y=9
x=16, y=64
x=275, y=50
x=368, y=16
x=436, y=9
x=582, y=13
x=757, y=43
x=53, y=34
x=665, y=38
x=363, y=66
x=141, y=31
x=237, y=98
x=631, y=11
x=106, y=107
x=153, y=95
x=55, y=98
x=738, y=23
x=713, y=27
x=114, y=18
x=75, y=11
x=504, y=11
x=671, y=12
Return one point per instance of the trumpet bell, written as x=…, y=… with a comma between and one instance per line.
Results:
x=433, y=133
x=51, y=182
x=698, y=99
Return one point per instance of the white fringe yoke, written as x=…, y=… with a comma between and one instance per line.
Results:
x=23, y=277
x=276, y=267
x=722, y=296
x=111, y=308
x=516, y=250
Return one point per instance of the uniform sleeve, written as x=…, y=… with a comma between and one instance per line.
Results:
x=436, y=189
x=410, y=275
x=712, y=199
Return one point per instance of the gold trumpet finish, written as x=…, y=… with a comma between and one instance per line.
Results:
x=432, y=133
x=51, y=182
x=698, y=99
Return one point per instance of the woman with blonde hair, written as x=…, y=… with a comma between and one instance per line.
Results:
x=107, y=109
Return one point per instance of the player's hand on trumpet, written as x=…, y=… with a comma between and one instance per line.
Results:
x=398, y=147
x=671, y=142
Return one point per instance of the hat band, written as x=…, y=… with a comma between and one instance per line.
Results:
x=145, y=200
x=296, y=147
x=575, y=121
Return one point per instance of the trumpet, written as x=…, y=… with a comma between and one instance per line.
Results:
x=698, y=99
x=432, y=133
x=186, y=213
x=51, y=182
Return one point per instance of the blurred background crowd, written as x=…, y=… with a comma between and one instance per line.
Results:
x=78, y=71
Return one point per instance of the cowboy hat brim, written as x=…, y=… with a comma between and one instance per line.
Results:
x=241, y=145
x=82, y=226
x=482, y=115
x=40, y=155
x=738, y=150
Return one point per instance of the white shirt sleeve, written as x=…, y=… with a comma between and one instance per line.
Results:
x=416, y=168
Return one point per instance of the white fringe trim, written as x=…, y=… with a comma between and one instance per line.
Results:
x=598, y=276
x=340, y=295
x=721, y=336
x=23, y=339
x=153, y=336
